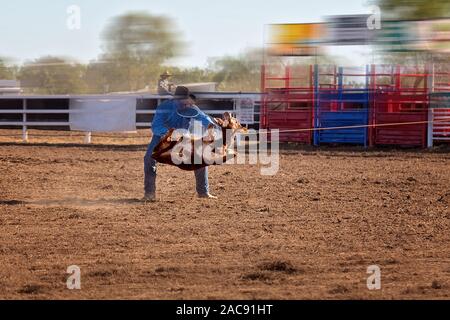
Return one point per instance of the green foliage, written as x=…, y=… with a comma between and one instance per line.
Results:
x=52, y=75
x=135, y=47
x=6, y=72
x=238, y=73
x=143, y=37
x=190, y=75
x=415, y=9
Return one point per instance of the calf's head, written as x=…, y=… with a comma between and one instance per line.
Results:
x=229, y=122
x=229, y=125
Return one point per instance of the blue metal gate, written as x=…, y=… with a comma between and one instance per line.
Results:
x=342, y=114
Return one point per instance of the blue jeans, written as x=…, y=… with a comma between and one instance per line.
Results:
x=201, y=175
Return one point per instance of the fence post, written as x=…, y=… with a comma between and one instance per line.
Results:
x=316, y=105
x=262, y=110
x=367, y=106
x=430, y=90
x=24, y=120
x=235, y=111
x=430, y=128
x=88, y=138
x=372, y=88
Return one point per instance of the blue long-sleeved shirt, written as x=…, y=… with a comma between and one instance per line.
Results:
x=166, y=117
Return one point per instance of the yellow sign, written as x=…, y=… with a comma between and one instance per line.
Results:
x=295, y=39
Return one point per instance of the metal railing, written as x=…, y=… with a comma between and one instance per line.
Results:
x=25, y=112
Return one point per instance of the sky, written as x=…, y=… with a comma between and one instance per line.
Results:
x=33, y=28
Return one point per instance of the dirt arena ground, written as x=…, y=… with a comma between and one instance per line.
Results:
x=308, y=232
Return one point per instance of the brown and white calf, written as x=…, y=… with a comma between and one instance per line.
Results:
x=171, y=142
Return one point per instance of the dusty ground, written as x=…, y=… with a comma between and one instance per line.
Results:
x=311, y=231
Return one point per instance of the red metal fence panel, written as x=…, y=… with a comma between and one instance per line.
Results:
x=288, y=102
x=399, y=114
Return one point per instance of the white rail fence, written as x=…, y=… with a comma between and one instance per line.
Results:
x=213, y=104
x=439, y=116
x=438, y=125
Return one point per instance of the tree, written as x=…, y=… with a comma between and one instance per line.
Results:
x=6, y=72
x=102, y=77
x=135, y=47
x=407, y=9
x=238, y=73
x=188, y=75
x=52, y=75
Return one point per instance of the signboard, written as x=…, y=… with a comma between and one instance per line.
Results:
x=423, y=35
x=245, y=110
x=307, y=39
x=396, y=36
x=349, y=30
x=103, y=115
x=300, y=39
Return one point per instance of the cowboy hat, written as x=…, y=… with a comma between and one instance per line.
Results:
x=182, y=92
x=166, y=74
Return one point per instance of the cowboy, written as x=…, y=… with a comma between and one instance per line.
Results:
x=164, y=86
x=175, y=113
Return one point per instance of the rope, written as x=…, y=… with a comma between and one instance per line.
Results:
x=187, y=116
x=357, y=126
x=250, y=133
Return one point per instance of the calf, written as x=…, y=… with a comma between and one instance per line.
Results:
x=163, y=151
